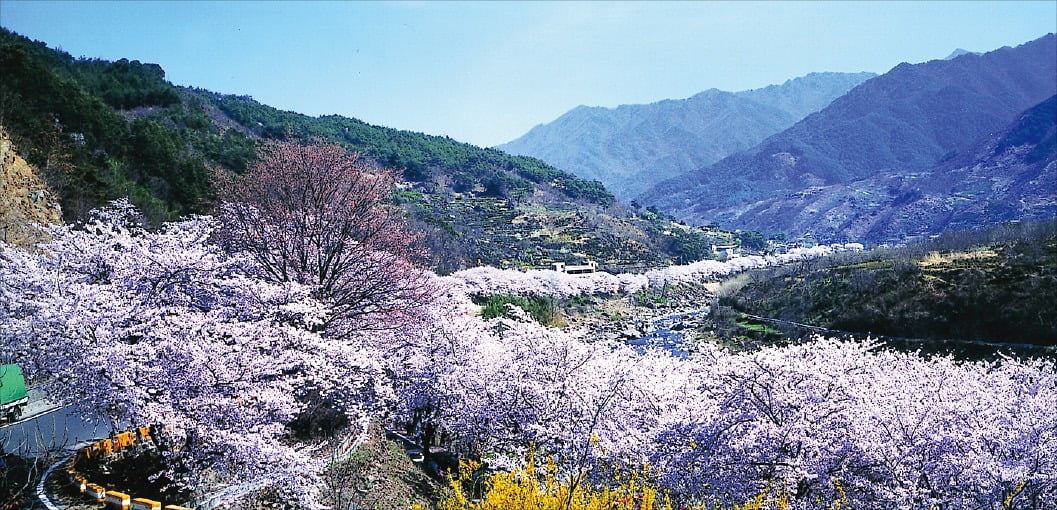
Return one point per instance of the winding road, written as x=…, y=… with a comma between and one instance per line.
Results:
x=47, y=428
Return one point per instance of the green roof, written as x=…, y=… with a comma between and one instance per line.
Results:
x=12, y=385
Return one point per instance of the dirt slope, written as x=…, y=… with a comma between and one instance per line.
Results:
x=25, y=199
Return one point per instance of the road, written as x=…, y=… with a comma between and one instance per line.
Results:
x=46, y=427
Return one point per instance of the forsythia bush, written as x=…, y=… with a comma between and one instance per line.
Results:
x=544, y=489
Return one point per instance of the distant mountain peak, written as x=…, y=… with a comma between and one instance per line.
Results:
x=815, y=78
x=631, y=147
x=959, y=52
x=869, y=158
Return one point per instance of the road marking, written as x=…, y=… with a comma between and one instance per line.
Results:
x=41, y=495
x=40, y=486
x=32, y=416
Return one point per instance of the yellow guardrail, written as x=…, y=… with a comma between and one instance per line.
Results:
x=105, y=448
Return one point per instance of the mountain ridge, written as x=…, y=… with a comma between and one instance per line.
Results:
x=906, y=120
x=1010, y=175
x=629, y=147
x=104, y=130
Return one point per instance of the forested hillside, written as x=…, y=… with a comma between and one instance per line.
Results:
x=100, y=130
x=994, y=286
x=483, y=204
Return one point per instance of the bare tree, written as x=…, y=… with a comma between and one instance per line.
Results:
x=318, y=215
x=26, y=451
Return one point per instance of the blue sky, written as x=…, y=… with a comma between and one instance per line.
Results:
x=487, y=72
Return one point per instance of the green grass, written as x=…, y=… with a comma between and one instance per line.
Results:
x=542, y=308
x=648, y=298
x=754, y=325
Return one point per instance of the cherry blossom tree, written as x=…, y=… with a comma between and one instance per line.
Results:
x=165, y=328
x=319, y=216
x=168, y=328
x=489, y=280
x=820, y=422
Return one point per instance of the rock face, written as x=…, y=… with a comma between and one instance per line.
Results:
x=24, y=198
x=632, y=147
x=885, y=131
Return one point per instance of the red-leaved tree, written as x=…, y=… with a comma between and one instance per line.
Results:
x=318, y=215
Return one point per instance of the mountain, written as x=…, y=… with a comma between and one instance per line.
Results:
x=479, y=205
x=959, y=52
x=632, y=147
x=99, y=130
x=891, y=127
x=1010, y=175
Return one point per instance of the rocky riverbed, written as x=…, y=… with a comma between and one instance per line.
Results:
x=645, y=318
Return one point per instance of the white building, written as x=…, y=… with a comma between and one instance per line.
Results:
x=590, y=267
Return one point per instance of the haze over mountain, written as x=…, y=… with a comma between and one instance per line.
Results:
x=632, y=147
x=898, y=125
x=959, y=52
x=1010, y=175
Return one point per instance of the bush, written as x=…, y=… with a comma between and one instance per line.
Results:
x=543, y=309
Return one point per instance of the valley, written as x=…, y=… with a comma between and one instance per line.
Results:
x=958, y=294
x=838, y=291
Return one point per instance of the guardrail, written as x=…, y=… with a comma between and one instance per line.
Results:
x=142, y=436
x=104, y=448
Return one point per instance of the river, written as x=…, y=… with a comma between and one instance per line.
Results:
x=667, y=332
